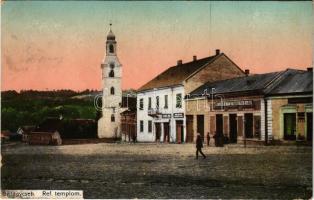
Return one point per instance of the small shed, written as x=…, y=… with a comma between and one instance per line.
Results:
x=44, y=138
x=24, y=131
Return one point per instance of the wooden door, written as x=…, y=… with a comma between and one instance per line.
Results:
x=179, y=129
x=248, y=125
x=189, y=128
x=309, y=125
x=200, y=125
x=158, y=131
x=289, y=126
x=233, y=128
x=166, y=132
x=219, y=124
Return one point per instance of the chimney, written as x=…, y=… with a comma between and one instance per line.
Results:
x=247, y=72
x=217, y=52
x=179, y=62
x=310, y=69
x=194, y=58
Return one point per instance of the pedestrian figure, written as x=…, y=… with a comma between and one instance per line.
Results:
x=219, y=139
x=208, y=138
x=199, y=146
x=216, y=139
x=134, y=137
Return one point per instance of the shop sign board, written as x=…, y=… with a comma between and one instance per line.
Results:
x=178, y=115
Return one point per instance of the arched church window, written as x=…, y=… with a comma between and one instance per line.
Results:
x=111, y=65
x=113, y=118
x=111, y=49
x=112, y=90
x=111, y=73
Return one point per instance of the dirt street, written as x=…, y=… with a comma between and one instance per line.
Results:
x=160, y=171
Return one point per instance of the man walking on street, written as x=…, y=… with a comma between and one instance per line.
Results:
x=199, y=146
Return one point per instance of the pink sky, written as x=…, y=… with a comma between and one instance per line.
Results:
x=60, y=45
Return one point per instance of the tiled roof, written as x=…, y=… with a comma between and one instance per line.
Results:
x=176, y=74
x=257, y=82
x=294, y=81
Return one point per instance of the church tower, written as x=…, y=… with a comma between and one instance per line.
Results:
x=109, y=123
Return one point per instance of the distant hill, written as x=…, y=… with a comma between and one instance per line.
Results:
x=30, y=107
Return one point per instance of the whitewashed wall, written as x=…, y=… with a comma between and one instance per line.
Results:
x=145, y=136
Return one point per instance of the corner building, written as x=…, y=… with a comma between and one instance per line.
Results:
x=160, y=102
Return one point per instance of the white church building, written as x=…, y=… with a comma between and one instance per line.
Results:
x=109, y=123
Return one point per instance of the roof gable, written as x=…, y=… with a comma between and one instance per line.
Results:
x=175, y=75
x=211, y=61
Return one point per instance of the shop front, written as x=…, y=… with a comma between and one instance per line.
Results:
x=169, y=127
x=237, y=119
x=291, y=118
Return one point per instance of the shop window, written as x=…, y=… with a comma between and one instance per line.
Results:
x=257, y=127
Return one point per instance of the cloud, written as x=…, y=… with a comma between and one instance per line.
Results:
x=12, y=65
x=29, y=58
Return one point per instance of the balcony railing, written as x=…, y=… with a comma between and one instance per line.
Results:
x=154, y=112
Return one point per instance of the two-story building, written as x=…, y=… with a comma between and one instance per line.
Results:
x=160, y=102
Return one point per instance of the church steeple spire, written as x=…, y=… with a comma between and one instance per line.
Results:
x=110, y=35
x=111, y=43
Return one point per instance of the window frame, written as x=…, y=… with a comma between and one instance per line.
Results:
x=111, y=48
x=111, y=73
x=112, y=118
x=166, y=101
x=149, y=103
x=141, y=104
x=149, y=126
x=157, y=103
x=141, y=126
x=112, y=91
x=179, y=100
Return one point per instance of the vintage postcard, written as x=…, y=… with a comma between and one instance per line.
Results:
x=156, y=99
